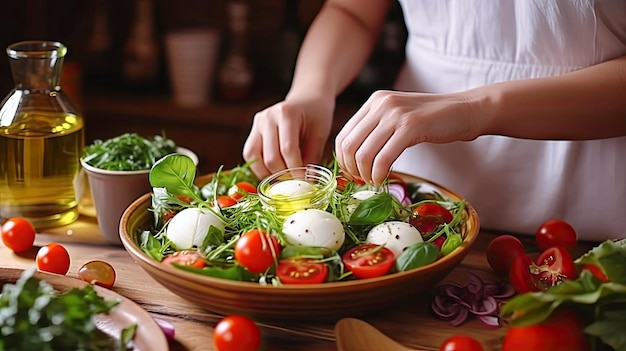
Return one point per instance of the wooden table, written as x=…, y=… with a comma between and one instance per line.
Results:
x=411, y=325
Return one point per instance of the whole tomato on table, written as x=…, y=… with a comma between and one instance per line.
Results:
x=18, y=234
x=556, y=232
x=237, y=333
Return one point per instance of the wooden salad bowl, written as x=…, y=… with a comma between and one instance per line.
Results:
x=327, y=301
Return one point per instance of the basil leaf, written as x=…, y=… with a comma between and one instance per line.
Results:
x=417, y=255
x=232, y=273
x=452, y=242
x=176, y=173
x=373, y=210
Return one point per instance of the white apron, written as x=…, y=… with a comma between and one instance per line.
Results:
x=517, y=184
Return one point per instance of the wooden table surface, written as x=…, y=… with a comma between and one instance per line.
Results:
x=412, y=325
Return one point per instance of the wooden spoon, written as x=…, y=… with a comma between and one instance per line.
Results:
x=356, y=335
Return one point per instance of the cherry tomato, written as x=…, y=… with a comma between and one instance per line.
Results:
x=596, y=271
x=301, y=271
x=563, y=330
x=191, y=258
x=461, y=343
x=520, y=276
x=502, y=250
x=427, y=217
x=556, y=232
x=240, y=189
x=18, y=234
x=236, y=333
x=368, y=260
x=186, y=199
x=53, y=258
x=224, y=201
x=553, y=266
x=98, y=272
x=256, y=250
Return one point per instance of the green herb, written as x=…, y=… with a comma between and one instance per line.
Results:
x=603, y=305
x=176, y=173
x=127, y=152
x=34, y=316
x=417, y=255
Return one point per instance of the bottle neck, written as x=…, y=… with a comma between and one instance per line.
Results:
x=36, y=67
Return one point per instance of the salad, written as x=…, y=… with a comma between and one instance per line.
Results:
x=223, y=229
x=35, y=316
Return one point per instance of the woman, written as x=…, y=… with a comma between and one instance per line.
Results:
x=518, y=105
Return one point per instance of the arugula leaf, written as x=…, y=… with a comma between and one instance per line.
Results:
x=127, y=152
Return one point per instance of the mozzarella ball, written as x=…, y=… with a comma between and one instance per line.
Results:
x=291, y=188
x=313, y=227
x=395, y=235
x=189, y=227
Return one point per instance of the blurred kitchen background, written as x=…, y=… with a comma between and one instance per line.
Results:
x=116, y=69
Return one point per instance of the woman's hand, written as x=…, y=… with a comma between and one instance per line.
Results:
x=288, y=134
x=390, y=121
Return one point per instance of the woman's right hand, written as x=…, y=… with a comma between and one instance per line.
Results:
x=288, y=134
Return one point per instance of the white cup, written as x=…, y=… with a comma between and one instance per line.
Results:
x=192, y=56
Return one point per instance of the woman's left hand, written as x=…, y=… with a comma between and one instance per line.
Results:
x=391, y=121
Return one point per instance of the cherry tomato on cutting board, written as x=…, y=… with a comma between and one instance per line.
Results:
x=257, y=250
x=53, y=258
x=191, y=258
x=18, y=234
x=563, y=330
x=98, y=272
x=368, y=260
x=461, y=343
x=236, y=333
x=555, y=265
x=502, y=250
x=301, y=271
x=556, y=232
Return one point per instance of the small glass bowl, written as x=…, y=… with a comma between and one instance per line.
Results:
x=294, y=196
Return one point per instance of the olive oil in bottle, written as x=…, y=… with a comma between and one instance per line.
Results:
x=41, y=139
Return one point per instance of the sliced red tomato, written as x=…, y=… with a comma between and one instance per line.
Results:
x=556, y=232
x=18, y=234
x=186, y=199
x=563, y=330
x=502, y=250
x=553, y=266
x=53, y=258
x=240, y=189
x=257, y=250
x=596, y=271
x=192, y=258
x=461, y=343
x=368, y=260
x=427, y=217
x=301, y=271
x=224, y=201
x=520, y=275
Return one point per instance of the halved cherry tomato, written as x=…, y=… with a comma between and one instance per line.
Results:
x=18, y=234
x=461, y=343
x=596, y=271
x=53, y=258
x=186, y=199
x=556, y=232
x=301, y=271
x=519, y=274
x=240, y=189
x=563, y=330
x=192, y=258
x=257, y=250
x=427, y=217
x=553, y=266
x=98, y=272
x=237, y=333
x=502, y=250
x=368, y=260
x=224, y=201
